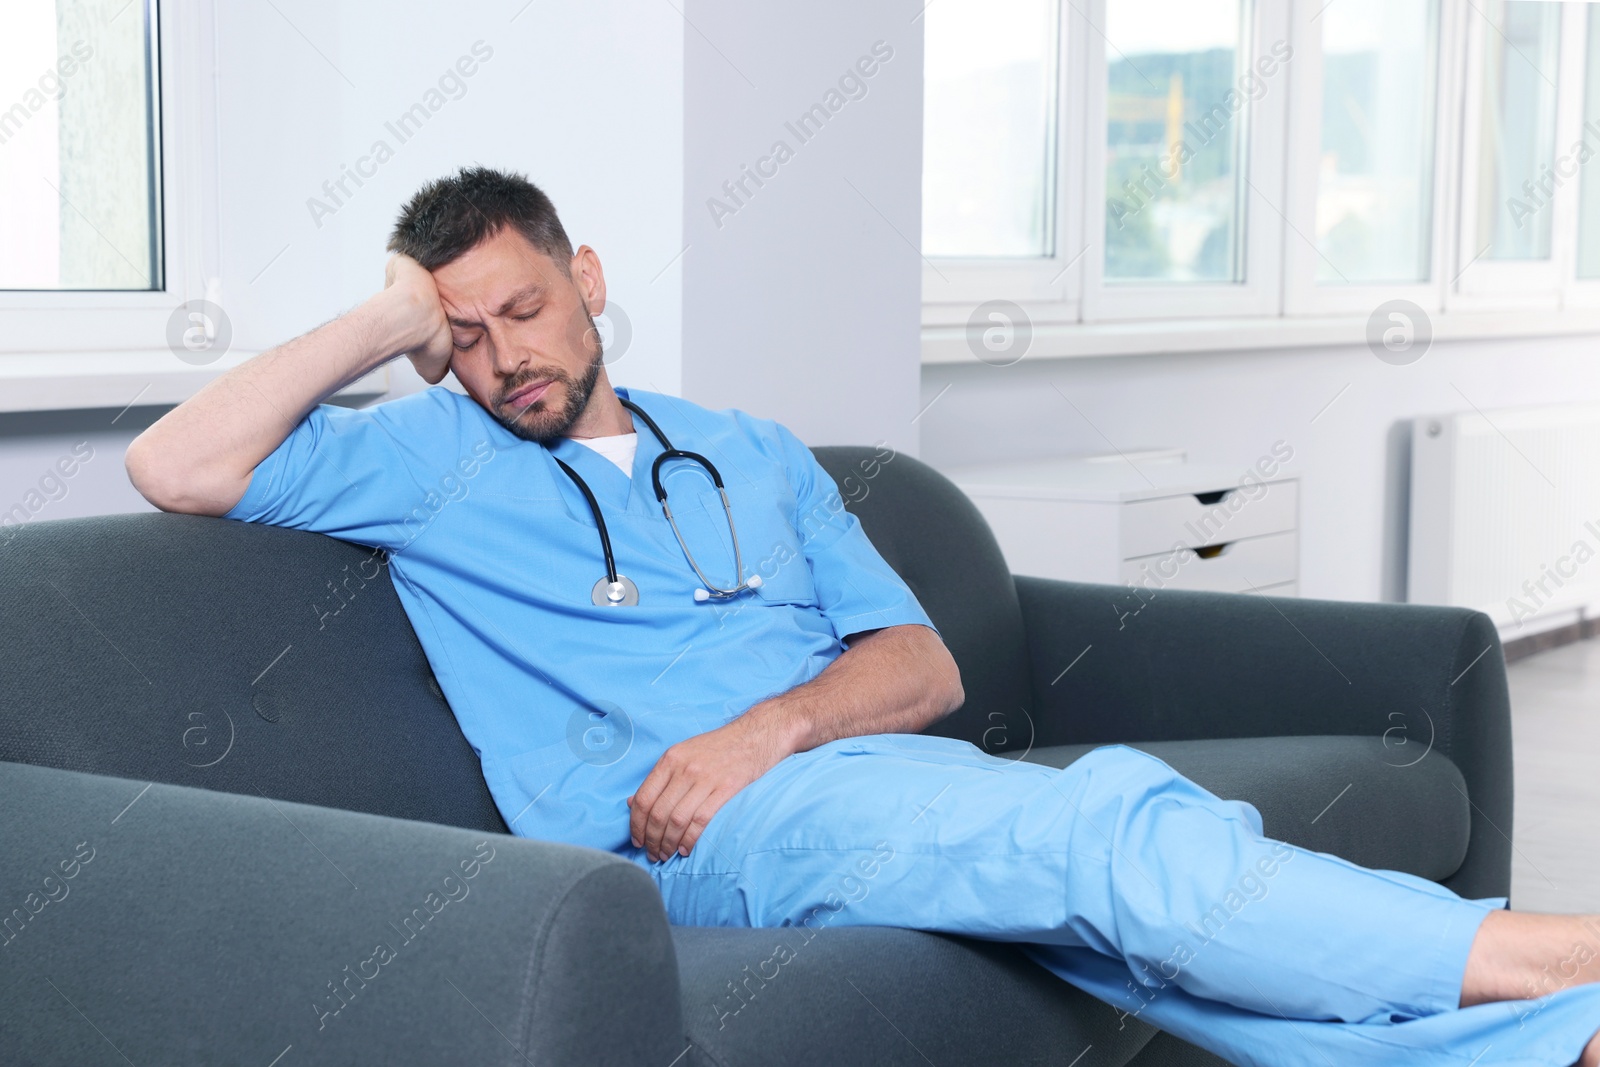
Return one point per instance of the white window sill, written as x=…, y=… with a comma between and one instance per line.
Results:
x=58, y=381
x=948, y=344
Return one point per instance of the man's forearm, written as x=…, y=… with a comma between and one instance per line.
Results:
x=199, y=456
x=895, y=680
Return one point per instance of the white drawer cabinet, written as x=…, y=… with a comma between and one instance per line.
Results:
x=1233, y=567
x=1160, y=525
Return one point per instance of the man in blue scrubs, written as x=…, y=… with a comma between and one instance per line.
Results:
x=759, y=754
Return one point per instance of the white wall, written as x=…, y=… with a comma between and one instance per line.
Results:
x=1230, y=408
x=585, y=99
x=802, y=305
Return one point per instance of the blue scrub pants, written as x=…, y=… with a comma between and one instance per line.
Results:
x=1134, y=884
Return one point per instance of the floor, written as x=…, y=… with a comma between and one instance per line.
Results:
x=1555, y=723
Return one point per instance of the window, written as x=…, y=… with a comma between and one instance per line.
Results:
x=1522, y=147
x=1589, y=207
x=1226, y=169
x=1374, y=207
x=79, y=146
x=1174, y=209
x=989, y=129
x=103, y=266
x=1517, y=127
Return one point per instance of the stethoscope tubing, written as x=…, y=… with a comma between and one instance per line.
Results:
x=594, y=506
x=738, y=559
x=669, y=453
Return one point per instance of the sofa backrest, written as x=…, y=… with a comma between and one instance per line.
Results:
x=938, y=542
x=229, y=656
x=253, y=659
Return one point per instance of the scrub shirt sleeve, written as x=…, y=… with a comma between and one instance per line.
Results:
x=339, y=472
x=856, y=589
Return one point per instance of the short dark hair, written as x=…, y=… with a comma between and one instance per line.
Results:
x=450, y=215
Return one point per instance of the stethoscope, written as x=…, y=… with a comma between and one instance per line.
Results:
x=618, y=590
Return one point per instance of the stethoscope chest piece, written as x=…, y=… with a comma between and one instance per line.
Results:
x=621, y=593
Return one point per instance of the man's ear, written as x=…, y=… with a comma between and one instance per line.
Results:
x=590, y=278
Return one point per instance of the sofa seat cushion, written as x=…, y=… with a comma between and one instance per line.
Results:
x=1369, y=800
x=872, y=994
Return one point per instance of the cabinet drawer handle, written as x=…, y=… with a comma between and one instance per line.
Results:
x=1215, y=497
x=1213, y=551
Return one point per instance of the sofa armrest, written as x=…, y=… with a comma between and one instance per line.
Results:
x=182, y=925
x=1110, y=664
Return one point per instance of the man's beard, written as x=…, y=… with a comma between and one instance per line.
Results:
x=538, y=421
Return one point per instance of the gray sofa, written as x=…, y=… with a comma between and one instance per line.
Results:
x=241, y=825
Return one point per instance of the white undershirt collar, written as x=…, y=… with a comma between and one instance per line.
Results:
x=618, y=448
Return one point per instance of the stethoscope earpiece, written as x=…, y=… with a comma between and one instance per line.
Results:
x=702, y=595
x=616, y=590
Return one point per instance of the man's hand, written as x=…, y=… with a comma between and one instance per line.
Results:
x=418, y=314
x=895, y=679
x=694, y=778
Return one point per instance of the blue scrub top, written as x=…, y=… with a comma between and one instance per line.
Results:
x=494, y=553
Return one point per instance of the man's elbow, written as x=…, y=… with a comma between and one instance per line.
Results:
x=172, y=488
x=946, y=690
x=955, y=695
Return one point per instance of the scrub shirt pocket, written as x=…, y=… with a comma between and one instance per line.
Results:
x=763, y=516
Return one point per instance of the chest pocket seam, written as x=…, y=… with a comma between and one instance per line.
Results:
x=768, y=541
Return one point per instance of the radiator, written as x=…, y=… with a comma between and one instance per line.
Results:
x=1505, y=514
